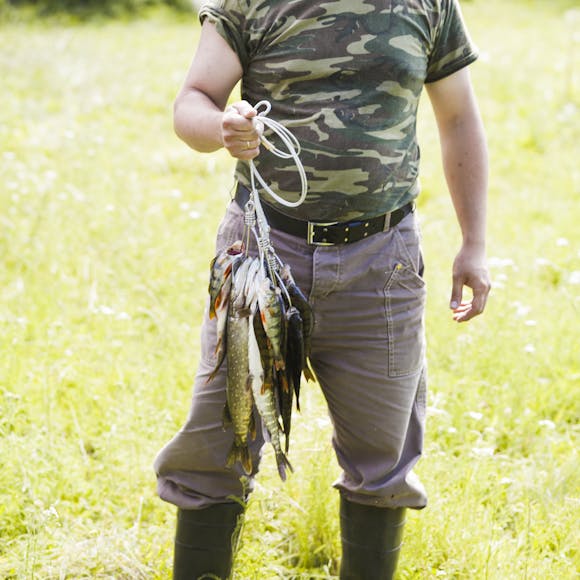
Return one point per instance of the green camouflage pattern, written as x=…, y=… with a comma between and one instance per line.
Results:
x=345, y=77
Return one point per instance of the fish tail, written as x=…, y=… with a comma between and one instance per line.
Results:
x=216, y=369
x=240, y=452
x=283, y=463
x=308, y=372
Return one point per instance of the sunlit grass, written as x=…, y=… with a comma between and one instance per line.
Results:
x=106, y=232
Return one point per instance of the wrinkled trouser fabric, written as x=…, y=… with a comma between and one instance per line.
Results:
x=368, y=351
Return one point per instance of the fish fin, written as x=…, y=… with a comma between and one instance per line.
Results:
x=244, y=312
x=308, y=372
x=226, y=416
x=252, y=429
x=217, y=367
x=283, y=382
x=245, y=459
x=240, y=453
x=266, y=386
x=283, y=464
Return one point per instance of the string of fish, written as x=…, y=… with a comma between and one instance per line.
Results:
x=264, y=323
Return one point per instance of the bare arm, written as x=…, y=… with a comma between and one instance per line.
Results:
x=465, y=163
x=200, y=116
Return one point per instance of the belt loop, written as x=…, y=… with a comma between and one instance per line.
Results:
x=387, y=224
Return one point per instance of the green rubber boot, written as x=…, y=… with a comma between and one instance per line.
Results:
x=371, y=541
x=205, y=542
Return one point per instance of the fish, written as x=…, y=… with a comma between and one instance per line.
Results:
x=266, y=353
x=306, y=314
x=294, y=351
x=238, y=262
x=254, y=273
x=285, y=397
x=238, y=410
x=271, y=306
x=220, y=269
x=265, y=400
x=221, y=312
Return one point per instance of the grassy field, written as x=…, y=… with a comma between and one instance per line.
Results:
x=106, y=233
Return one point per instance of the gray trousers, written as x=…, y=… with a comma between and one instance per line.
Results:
x=368, y=352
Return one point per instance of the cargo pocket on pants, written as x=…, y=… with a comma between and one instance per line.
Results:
x=405, y=295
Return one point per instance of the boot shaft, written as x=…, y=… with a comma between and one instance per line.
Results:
x=205, y=542
x=371, y=541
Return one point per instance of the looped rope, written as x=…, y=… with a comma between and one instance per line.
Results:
x=262, y=232
x=293, y=151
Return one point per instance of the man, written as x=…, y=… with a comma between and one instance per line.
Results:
x=345, y=77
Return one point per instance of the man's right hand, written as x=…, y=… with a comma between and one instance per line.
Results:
x=241, y=130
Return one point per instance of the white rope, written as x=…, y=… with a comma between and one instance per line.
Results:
x=254, y=213
x=293, y=151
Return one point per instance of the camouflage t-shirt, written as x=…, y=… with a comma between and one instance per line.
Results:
x=345, y=77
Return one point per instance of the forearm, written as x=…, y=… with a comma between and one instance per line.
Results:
x=197, y=120
x=465, y=162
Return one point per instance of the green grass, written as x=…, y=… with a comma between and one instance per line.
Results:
x=106, y=233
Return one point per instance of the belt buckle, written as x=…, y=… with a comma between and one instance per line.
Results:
x=310, y=233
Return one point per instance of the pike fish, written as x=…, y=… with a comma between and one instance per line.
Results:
x=239, y=399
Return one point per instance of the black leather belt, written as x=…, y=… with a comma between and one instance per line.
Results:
x=327, y=233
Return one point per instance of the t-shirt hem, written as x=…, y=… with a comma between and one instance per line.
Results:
x=457, y=66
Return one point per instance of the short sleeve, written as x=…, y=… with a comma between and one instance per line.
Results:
x=230, y=21
x=453, y=48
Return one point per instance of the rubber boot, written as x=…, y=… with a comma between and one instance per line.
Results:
x=205, y=542
x=371, y=541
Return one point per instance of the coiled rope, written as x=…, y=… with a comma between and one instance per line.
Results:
x=254, y=214
x=293, y=151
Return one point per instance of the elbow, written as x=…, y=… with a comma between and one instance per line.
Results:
x=178, y=119
x=193, y=125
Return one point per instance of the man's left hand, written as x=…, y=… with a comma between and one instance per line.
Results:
x=469, y=269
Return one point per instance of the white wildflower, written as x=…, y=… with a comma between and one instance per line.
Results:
x=495, y=262
x=483, y=451
x=475, y=415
